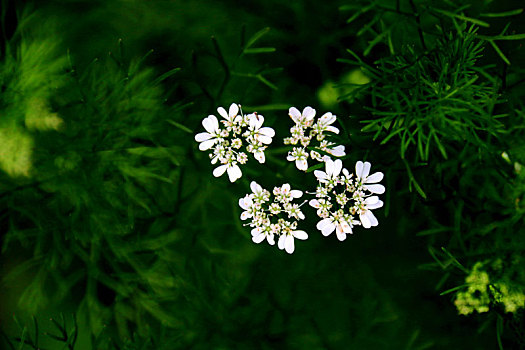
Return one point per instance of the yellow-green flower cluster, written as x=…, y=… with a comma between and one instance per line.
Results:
x=481, y=292
x=512, y=299
x=476, y=297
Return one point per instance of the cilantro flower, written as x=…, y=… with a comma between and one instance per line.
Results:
x=230, y=144
x=278, y=217
x=341, y=196
x=305, y=131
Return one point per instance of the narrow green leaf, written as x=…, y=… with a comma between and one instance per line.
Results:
x=180, y=126
x=266, y=82
x=502, y=14
x=412, y=180
x=439, y=145
x=259, y=50
x=256, y=37
x=463, y=18
x=448, y=291
x=166, y=76
x=503, y=37
x=498, y=51
x=499, y=330
x=433, y=231
x=315, y=167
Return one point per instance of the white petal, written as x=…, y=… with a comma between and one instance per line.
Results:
x=328, y=229
x=371, y=217
x=376, y=188
x=290, y=158
x=234, y=109
x=332, y=129
x=211, y=124
x=203, y=136
x=296, y=193
x=346, y=227
x=327, y=118
x=259, y=121
x=267, y=131
x=234, y=173
x=365, y=221
x=338, y=151
x=218, y=171
x=280, y=242
x=358, y=169
x=222, y=112
x=294, y=114
x=264, y=139
x=258, y=238
x=289, y=244
x=301, y=164
x=338, y=165
x=320, y=175
x=366, y=170
x=255, y=187
x=285, y=188
x=323, y=223
x=341, y=235
x=376, y=205
x=371, y=200
x=302, y=235
x=329, y=165
x=260, y=156
x=314, y=203
x=270, y=239
x=245, y=215
x=309, y=113
x=256, y=231
x=206, y=145
x=374, y=178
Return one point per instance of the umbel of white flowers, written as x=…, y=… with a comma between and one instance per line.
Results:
x=342, y=199
x=227, y=143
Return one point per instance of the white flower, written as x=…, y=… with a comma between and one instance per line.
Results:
x=299, y=155
x=259, y=234
x=305, y=119
x=285, y=194
x=367, y=218
x=232, y=117
x=212, y=136
x=369, y=182
x=249, y=209
x=260, y=195
x=324, y=124
x=337, y=151
x=342, y=224
x=286, y=241
x=333, y=168
x=234, y=172
x=257, y=132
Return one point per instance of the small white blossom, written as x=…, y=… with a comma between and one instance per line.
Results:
x=366, y=216
x=212, y=136
x=286, y=241
x=369, y=182
x=299, y=155
x=234, y=172
x=304, y=119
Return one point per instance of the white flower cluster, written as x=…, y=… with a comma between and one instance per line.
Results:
x=273, y=218
x=340, y=197
x=302, y=138
x=227, y=143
